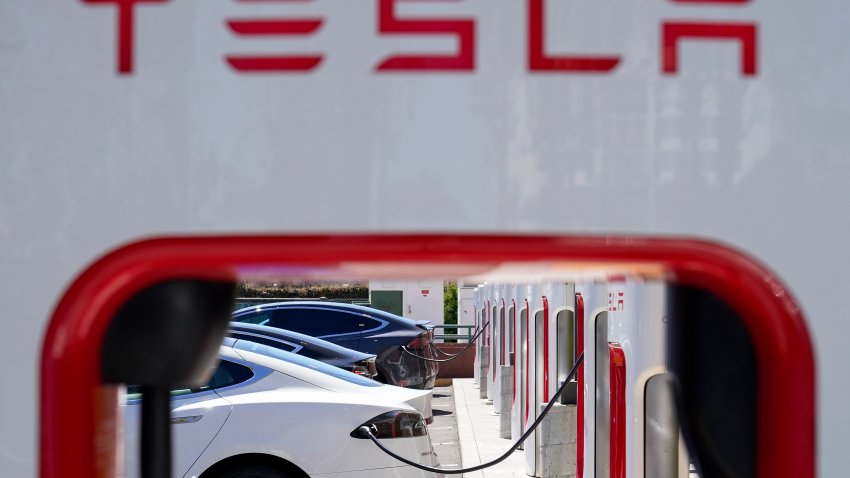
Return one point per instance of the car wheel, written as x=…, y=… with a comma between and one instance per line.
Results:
x=254, y=471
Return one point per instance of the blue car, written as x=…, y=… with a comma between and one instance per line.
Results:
x=397, y=342
x=317, y=349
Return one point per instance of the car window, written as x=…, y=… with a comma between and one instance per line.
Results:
x=279, y=344
x=310, y=353
x=369, y=323
x=260, y=318
x=227, y=373
x=305, y=362
x=316, y=322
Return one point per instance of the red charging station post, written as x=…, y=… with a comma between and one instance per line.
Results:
x=78, y=439
x=617, y=359
x=545, y=349
x=579, y=386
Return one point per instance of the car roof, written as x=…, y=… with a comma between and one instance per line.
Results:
x=359, y=309
x=318, y=374
x=317, y=344
x=297, y=366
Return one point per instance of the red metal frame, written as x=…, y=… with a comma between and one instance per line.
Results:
x=617, y=361
x=483, y=335
x=545, y=349
x=513, y=338
x=479, y=342
x=502, y=318
x=488, y=342
x=477, y=338
x=493, y=350
x=580, y=386
x=78, y=414
x=491, y=330
x=525, y=376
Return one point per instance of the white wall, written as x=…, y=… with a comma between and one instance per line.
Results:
x=91, y=160
x=421, y=299
x=466, y=305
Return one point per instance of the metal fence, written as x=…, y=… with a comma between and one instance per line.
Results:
x=454, y=332
x=242, y=302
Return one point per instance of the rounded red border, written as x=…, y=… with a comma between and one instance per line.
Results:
x=579, y=321
x=617, y=379
x=76, y=427
x=545, y=349
x=525, y=362
x=513, y=338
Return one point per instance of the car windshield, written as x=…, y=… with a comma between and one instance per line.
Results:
x=304, y=362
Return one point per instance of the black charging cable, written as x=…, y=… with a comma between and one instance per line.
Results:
x=450, y=356
x=439, y=352
x=366, y=431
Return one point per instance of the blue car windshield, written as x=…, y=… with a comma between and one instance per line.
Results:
x=304, y=362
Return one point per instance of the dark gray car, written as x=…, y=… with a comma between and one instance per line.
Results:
x=312, y=347
x=397, y=341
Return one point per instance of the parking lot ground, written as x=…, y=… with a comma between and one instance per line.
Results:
x=444, y=428
x=478, y=431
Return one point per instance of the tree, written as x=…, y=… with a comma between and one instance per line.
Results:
x=450, y=306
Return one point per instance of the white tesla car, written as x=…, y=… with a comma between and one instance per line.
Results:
x=271, y=414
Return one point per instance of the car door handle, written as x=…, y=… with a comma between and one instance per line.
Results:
x=186, y=419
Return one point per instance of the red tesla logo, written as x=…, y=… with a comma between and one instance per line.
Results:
x=286, y=27
x=126, y=24
x=745, y=33
x=616, y=304
x=539, y=61
x=463, y=30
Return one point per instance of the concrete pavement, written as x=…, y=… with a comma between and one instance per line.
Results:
x=478, y=434
x=443, y=430
x=478, y=431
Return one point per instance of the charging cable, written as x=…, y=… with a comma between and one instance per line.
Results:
x=366, y=431
x=450, y=356
x=439, y=352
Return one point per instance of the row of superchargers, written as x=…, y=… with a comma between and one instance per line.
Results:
x=623, y=408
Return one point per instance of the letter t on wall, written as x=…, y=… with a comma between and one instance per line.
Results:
x=126, y=24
